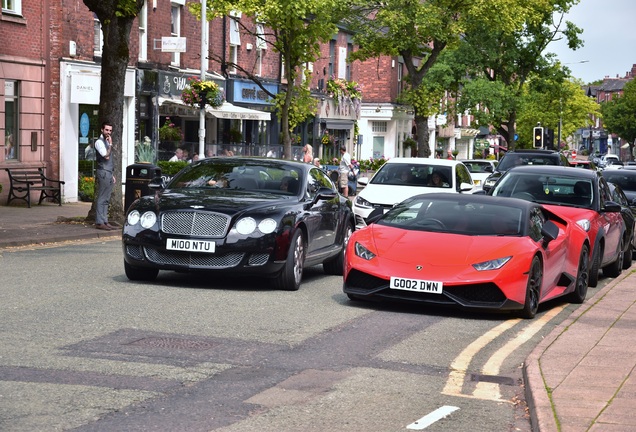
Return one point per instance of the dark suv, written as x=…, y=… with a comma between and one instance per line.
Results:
x=524, y=157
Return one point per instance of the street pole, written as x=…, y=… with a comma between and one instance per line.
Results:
x=204, y=37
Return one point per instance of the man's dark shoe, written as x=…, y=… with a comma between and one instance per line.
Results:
x=111, y=227
x=103, y=227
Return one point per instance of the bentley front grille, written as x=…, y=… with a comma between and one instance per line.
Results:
x=194, y=223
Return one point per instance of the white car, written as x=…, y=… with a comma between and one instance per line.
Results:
x=608, y=159
x=402, y=178
x=480, y=169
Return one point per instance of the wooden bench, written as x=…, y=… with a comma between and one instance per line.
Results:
x=23, y=181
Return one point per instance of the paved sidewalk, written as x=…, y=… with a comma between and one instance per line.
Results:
x=46, y=223
x=579, y=378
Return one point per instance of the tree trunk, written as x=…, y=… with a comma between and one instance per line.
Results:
x=423, y=148
x=115, y=56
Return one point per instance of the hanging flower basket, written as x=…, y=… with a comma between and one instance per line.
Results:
x=328, y=139
x=170, y=131
x=199, y=93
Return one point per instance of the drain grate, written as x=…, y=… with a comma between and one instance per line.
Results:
x=173, y=343
x=497, y=379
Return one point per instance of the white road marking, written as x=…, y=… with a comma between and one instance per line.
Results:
x=489, y=390
x=431, y=418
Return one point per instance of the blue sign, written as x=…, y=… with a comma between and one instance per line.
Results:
x=249, y=93
x=516, y=137
x=85, y=125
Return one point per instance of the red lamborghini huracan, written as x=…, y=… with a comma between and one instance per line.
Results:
x=473, y=251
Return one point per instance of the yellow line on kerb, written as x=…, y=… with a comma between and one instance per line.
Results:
x=486, y=390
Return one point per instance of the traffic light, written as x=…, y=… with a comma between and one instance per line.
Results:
x=538, y=137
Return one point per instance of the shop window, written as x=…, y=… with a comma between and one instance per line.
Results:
x=11, y=138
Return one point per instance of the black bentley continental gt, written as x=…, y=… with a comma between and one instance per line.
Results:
x=238, y=215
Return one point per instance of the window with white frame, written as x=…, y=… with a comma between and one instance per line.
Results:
x=235, y=42
x=261, y=44
x=11, y=147
x=400, y=71
x=98, y=37
x=12, y=7
x=175, y=30
x=378, y=126
x=143, y=32
x=259, y=62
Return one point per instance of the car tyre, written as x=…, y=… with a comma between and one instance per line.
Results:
x=614, y=269
x=596, y=266
x=533, y=289
x=292, y=273
x=140, y=273
x=628, y=256
x=335, y=266
x=582, y=276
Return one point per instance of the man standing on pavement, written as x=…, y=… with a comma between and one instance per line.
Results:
x=343, y=170
x=105, y=177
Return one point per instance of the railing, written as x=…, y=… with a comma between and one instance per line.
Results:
x=167, y=149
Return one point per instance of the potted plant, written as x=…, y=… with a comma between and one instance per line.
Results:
x=199, y=93
x=144, y=151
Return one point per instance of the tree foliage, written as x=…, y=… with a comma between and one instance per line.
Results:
x=432, y=26
x=619, y=114
x=496, y=65
x=116, y=18
x=297, y=30
x=550, y=101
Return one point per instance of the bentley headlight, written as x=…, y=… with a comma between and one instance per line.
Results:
x=361, y=202
x=246, y=226
x=492, y=264
x=133, y=217
x=363, y=252
x=148, y=219
x=267, y=226
x=584, y=223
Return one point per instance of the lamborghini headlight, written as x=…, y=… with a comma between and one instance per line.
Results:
x=363, y=252
x=584, y=223
x=492, y=264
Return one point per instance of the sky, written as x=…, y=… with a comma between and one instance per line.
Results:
x=609, y=35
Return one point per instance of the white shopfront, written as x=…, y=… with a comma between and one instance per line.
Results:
x=79, y=90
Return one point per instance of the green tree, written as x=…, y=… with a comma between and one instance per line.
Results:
x=297, y=29
x=551, y=101
x=116, y=18
x=495, y=64
x=432, y=26
x=619, y=115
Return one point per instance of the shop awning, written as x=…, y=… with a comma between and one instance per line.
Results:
x=338, y=124
x=229, y=111
x=225, y=111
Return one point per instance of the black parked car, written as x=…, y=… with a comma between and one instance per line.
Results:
x=234, y=215
x=629, y=216
x=524, y=157
x=626, y=179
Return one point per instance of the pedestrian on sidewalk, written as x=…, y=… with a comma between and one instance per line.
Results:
x=105, y=177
